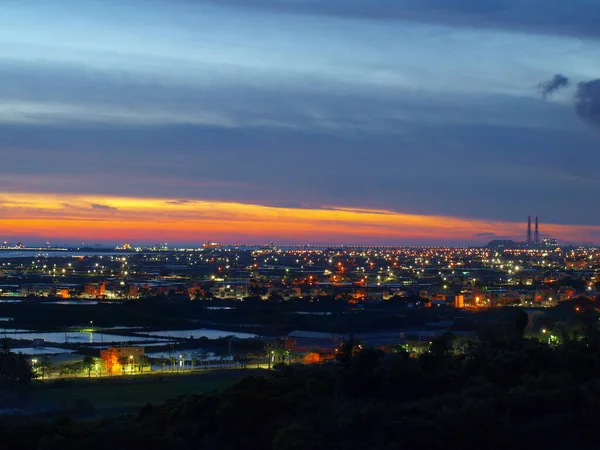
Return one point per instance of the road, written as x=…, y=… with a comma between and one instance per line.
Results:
x=94, y=374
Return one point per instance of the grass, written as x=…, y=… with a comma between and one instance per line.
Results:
x=130, y=392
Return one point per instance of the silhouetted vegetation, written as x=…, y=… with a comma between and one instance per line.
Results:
x=15, y=371
x=266, y=317
x=496, y=393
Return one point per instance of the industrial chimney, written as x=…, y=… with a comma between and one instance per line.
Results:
x=537, y=231
x=529, y=230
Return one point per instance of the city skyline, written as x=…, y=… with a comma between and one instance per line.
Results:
x=319, y=122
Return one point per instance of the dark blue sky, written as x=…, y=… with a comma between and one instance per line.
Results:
x=420, y=107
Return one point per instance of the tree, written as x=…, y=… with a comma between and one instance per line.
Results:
x=441, y=345
x=5, y=347
x=275, y=297
x=256, y=290
x=64, y=369
x=44, y=366
x=201, y=357
x=99, y=366
x=15, y=370
x=87, y=364
x=183, y=357
x=521, y=320
x=242, y=360
x=197, y=357
x=124, y=361
x=292, y=437
x=348, y=348
x=144, y=361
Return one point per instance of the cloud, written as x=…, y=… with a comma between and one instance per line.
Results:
x=49, y=95
x=178, y=202
x=253, y=114
x=203, y=220
x=587, y=97
x=265, y=167
x=103, y=207
x=485, y=234
x=587, y=102
x=580, y=17
x=551, y=86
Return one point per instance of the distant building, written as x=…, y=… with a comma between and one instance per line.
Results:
x=121, y=359
x=314, y=346
x=95, y=290
x=549, y=242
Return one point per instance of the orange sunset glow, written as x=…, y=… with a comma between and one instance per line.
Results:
x=114, y=219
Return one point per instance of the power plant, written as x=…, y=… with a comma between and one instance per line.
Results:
x=535, y=240
x=533, y=237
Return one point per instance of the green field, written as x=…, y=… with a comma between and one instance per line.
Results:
x=121, y=393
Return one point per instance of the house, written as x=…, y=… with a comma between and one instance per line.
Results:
x=314, y=346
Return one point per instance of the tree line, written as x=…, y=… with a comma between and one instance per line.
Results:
x=502, y=390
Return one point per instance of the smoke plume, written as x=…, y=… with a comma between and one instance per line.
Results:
x=587, y=102
x=549, y=87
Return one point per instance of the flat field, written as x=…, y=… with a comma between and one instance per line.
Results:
x=120, y=394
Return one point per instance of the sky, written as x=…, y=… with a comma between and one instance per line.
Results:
x=296, y=121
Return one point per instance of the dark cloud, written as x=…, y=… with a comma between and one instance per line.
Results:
x=399, y=142
x=587, y=97
x=587, y=102
x=551, y=86
x=579, y=17
x=485, y=234
x=103, y=207
x=178, y=202
x=418, y=172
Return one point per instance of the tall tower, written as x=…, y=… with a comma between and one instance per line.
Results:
x=529, y=230
x=537, y=231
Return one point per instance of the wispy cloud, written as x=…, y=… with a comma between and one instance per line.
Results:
x=574, y=17
x=143, y=219
x=178, y=202
x=102, y=207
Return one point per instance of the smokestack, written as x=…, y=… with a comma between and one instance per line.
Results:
x=537, y=231
x=529, y=230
